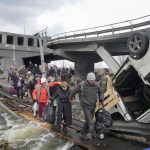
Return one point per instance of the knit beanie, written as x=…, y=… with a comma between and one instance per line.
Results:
x=91, y=76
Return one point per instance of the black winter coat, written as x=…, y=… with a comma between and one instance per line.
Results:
x=64, y=106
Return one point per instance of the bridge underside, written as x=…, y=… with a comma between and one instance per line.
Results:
x=83, y=49
x=85, y=55
x=37, y=60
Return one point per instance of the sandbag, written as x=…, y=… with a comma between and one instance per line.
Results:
x=103, y=120
x=49, y=115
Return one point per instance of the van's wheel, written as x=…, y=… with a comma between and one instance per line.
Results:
x=138, y=44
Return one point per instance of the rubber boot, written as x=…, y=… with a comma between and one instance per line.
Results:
x=65, y=131
x=91, y=133
x=57, y=127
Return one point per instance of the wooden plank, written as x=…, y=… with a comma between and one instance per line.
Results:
x=8, y=110
x=71, y=137
x=76, y=128
x=74, y=136
x=77, y=122
x=5, y=94
x=111, y=104
x=110, y=98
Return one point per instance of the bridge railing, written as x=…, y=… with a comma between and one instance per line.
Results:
x=110, y=29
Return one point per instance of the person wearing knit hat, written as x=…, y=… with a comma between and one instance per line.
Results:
x=91, y=76
x=89, y=91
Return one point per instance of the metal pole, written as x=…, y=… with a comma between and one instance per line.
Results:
x=42, y=57
x=14, y=55
x=42, y=47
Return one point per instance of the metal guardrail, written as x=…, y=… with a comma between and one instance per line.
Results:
x=110, y=29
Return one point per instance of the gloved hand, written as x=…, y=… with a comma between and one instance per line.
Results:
x=101, y=104
x=49, y=101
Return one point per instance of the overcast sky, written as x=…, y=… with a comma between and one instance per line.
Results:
x=66, y=15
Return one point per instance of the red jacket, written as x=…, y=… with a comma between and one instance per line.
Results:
x=43, y=93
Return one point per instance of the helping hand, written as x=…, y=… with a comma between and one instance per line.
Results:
x=49, y=102
x=101, y=104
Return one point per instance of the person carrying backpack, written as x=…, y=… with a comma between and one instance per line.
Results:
x=89, y=91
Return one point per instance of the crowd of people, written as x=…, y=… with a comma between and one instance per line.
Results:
x=24, y=79
x=54, y=88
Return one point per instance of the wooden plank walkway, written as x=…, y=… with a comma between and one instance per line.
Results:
x=109, y=143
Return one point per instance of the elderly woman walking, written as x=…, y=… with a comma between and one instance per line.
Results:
x=64, y=107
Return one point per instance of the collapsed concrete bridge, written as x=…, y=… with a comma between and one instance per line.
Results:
x=84, y=47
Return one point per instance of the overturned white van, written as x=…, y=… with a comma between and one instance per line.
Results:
x=131, y=83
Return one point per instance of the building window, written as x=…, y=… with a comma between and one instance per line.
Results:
x=9, y=39
x=38, y=45
x=0, y=38
x=20, y=40
x=30, y=41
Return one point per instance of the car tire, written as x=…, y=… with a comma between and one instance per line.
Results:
x=137, y=45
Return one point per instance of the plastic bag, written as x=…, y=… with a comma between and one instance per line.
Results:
x=103, y=120
x=35, y=108
x=49, y=115
x=19, y=83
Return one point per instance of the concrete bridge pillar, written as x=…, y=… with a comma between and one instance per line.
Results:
x=35, y=42
x=4, y=39
x=84, y=63
x=25, y=41
x=15, y=40
x=82, y=68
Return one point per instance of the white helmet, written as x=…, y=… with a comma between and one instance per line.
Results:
x=43, y=80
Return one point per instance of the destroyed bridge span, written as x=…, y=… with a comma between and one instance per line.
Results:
x=84, y=47
x=88, y=46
